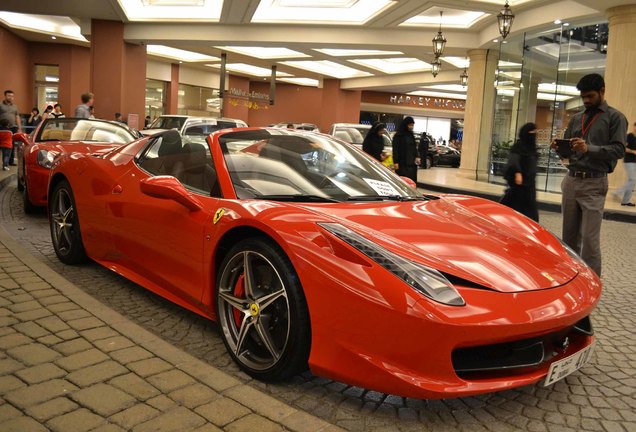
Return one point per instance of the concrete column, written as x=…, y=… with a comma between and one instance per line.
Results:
x=620, y=80
x=172, y=91
x=479, y=114
x=118, y=72
x=339, y=106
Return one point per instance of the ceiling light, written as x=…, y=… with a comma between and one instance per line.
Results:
x=172, y=10
x=454, y=18
x=301, y=81
x=319, y=11
x=53, y=26
x=463, y=78
x=327, y=67
x=49, y=78
x=249, y=69
x=504, y=20
x=263, y=52
x=557, y=21
x=53, y=37
x=178, y=54
x=394, y=65
x=439, y=41
x=566, y=24
x=495, y=40
x=458, y=62
x=435, y=67
x=353, y=52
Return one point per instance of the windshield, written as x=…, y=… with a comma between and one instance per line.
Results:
x=88, y=130
x=278, y=164
x=168, y=123
x=351, y=134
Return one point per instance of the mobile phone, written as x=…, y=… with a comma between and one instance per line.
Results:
x=564, y=148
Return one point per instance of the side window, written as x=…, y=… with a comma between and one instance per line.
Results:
x=162, y=153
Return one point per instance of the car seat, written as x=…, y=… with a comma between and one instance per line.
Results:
x=194, y=169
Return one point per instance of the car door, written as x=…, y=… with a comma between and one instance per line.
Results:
x=160, y=239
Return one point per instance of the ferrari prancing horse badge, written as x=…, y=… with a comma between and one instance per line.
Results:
x=218, y=215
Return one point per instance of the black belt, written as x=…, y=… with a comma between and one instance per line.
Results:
x=586, y=174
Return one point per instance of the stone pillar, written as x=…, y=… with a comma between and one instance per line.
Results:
x=118, y=72
x=479, y=114
x=339, y=106
x=172, y=91
x=620, y=80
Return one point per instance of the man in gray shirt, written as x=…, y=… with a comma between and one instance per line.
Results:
x=597, y=138
x=83, y=109
x=9, y=111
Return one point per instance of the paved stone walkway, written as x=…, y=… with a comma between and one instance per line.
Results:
x=69, y=363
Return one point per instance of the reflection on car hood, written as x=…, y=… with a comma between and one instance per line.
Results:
x=455, y=240
x=148, y=132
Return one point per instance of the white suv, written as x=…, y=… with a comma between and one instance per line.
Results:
x=188, y=125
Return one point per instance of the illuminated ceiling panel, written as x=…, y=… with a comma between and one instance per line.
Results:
x=250, y=70
x=452, y=18
x=52, y=25
x=394, y=65
x=354, y=52
x=301, y=81
x=172, y=10
x=458, y=62
x=264, y=52
x=324, y=12
x=329, y=68
x=178, y=54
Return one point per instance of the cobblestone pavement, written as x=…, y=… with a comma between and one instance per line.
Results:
x=599, y=397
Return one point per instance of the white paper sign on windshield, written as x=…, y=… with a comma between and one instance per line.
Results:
x=381, y=188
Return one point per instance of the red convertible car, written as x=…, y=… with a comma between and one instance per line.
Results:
x=308, y=253
x=54, y=136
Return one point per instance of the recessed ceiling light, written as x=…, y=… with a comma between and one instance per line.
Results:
x=336, y=52
x=452, y=18
x=566, y=24
x=250, y=70
x=53, y=37
x=319, y=11
x=329, y=68
x=178, y=54
x=557, y=21
x=302, y=81
x=495, y=40
x=504, y=41
x=263, y=52
x=172, y=10
x=394, y=65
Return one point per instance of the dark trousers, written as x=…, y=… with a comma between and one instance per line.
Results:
x=6, y=154
x=13, y=147
x=522, y=198
x=409, y=171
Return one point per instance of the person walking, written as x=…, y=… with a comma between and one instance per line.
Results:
x=624, y=193
x=422, y=148
x=521, y=172
x=405, y=158
x=373, y=143
x=83, y=110
x=598, y=140
x=10, y=112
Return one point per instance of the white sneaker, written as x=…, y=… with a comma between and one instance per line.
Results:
x=5, y=168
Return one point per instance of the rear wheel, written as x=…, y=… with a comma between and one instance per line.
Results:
x=262, y=311
x=65, y=229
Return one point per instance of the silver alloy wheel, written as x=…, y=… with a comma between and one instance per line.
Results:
x=62, y=219
x=254, y=311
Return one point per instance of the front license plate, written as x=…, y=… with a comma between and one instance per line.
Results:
x=566, y=366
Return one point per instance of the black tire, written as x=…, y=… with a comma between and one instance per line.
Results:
x=65, y=228
x=29, y=208
x=20, y=186
x=264, y=323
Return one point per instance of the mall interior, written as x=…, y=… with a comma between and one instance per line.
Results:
x=303, y=61
x=350, y=62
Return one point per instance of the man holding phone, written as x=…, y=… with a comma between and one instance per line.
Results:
x=597, y=138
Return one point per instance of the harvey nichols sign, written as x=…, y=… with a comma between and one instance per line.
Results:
x=428, y=102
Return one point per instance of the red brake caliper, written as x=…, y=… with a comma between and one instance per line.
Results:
x=239, y=292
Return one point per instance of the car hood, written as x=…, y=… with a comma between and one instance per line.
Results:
x=459, y=242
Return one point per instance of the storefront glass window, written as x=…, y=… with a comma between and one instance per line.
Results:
x=155, y=98
x=46, y=86
x=198, y=101
x=536, y=82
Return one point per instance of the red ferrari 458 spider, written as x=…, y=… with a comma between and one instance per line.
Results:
x=54, y=136
x=309, y=253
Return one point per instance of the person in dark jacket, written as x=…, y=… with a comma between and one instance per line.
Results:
x=521, y=172
x=423, y=149
x=373, y=143
x=405, y=157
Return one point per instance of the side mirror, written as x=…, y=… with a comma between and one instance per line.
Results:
x=168, y=187
x=21, y=137
x=409, y=181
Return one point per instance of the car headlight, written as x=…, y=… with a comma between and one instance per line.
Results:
x=421, y=278
x=45, y=158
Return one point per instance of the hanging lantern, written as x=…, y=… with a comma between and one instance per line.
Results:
x=436, y=65
x=439, y=41
x=505, y=19
x=463, y=78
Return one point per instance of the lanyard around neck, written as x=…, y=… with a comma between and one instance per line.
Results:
x=585, y=129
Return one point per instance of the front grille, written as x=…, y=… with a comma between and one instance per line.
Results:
x=518, y=356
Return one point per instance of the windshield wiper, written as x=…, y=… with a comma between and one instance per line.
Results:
x=386, y=197
x=296, y=198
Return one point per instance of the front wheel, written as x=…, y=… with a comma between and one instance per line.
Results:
x=262, y=311
x=65, y=229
